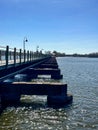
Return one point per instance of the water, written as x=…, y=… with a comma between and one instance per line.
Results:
x=81, y=75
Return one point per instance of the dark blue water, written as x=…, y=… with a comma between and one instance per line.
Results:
x=81, y=75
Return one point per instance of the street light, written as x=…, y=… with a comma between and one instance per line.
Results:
x=24, y=41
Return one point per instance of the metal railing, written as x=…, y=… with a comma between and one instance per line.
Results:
x=13, y=56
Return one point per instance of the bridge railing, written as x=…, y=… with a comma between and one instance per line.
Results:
x=13, y=56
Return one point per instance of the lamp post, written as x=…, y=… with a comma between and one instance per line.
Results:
x=24, y=41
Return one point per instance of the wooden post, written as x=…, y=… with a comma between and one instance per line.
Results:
x=6, y=55
x=20, y=56
x=14, y=56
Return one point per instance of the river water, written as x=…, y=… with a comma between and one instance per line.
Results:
x=81, y=75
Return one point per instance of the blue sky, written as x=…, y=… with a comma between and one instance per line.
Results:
x=69, y=26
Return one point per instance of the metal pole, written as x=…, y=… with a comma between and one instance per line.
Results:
x=20, y=56
x=14, y=56
x=6, y=55
x=24, y=56
x=25, y=40
x=23, y=44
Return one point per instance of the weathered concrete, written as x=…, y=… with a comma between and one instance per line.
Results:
x=59, y=100
x=11, y=92
x=48, y=65
x=34, y=88
x=34, y=72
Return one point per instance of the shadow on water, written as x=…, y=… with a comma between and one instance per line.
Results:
x=2, y=108
x=35, y=105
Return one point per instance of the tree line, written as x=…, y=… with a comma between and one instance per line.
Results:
x=59, y=54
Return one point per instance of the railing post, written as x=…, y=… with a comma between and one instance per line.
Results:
x=27, y=56
x=0, y=54
x=6, y=55
x=14, y=56
x=20, y=56
x=10, y=55
x=30, y=56
x=24, y=56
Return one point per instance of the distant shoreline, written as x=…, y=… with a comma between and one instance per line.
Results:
x=90, y=55
x=78, y=56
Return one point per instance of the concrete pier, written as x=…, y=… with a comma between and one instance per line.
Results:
x=59, y=100
x=18, y=83
x=49, y=66
x=34, y=72
x=56, y=92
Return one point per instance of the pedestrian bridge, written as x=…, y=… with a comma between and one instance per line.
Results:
x=16, y=80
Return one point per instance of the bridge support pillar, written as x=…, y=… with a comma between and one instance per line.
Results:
x=10, y=98
x=55, y=76
x=9, y=94
x=59, y=100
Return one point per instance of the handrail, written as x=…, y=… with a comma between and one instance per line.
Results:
x=13, y=56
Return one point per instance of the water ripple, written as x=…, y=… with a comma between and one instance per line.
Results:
x=81, y=74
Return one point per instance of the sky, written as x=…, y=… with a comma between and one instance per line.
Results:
x=69, y=26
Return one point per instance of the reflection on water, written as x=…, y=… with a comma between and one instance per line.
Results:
x=81, y=75
x=23, y=118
